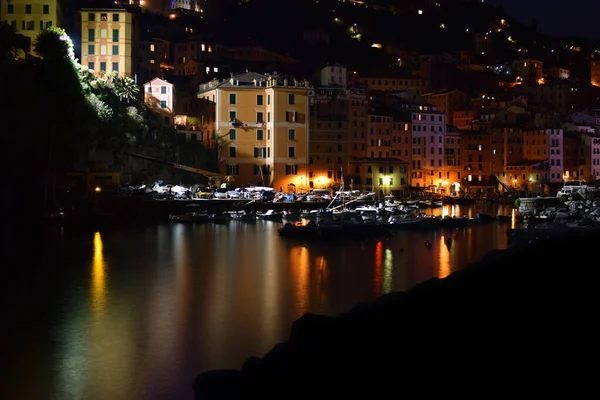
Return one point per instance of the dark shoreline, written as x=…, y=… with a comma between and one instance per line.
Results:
x=518, y=321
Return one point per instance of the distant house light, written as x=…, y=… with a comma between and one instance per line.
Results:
x=420, y=12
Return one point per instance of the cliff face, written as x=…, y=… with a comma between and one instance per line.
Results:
x=519, y=322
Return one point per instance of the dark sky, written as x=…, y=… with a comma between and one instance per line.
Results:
x=556, y=17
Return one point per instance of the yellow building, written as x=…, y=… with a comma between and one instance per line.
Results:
x=29, y=17
x=106, y=40
x=263, y=125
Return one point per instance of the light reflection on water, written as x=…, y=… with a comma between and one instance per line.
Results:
x=143, y=310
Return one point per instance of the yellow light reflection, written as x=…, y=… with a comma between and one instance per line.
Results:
x=300, y=267
x=98, y=276
x=388, y=263
x=444, y=258
x=513, y=218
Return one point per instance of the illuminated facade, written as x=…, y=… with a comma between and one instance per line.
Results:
x=30, y=17
x=159, y=95
x=262, y=126
x=106, y=40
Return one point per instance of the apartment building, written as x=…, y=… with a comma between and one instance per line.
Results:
x=106, y=40
x=30, y=17
x=262, y=126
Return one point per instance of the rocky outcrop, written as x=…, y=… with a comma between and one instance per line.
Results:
x=519, y=322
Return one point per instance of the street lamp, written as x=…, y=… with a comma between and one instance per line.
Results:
x=387, y=181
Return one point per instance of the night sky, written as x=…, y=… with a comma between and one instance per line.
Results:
x=556, y=17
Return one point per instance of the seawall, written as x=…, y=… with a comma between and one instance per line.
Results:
x=520, y=322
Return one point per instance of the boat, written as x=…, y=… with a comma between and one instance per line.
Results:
x=456, y=222
x=219, y=218
x=503, y=218
x=270, y=215
x=332, y=231
x=195, y=216
x=243, y=216
x=485, y=218
x=417, y=223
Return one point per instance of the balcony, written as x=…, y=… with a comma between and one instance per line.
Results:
x=243, y=125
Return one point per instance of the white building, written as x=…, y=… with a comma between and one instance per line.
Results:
x=334, y=75
x=428, y=138
x=160, y=96
x=591, y=144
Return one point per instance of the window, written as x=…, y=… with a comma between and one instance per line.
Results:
x=232, y=134
x=152, y=47
x=91, y=65
x=115, y=50
x=46, y=9
x=103, y=33
x=163, y=104
x=103, y=17
x=259, y=117
x=91, y=35
x=27, y=8
x=115, y=66
x=268, y=134
x=291, y=170
x=103, y=49
x=163, y=90
x=291, y=116
x=103, y=66
x=232, y=98
x=91, y=49
x=260, y=134
x=291, y=134
x=91, y=17
x=292, y=152
x=10, y=9
x=268, y=99
x=232, y=116
x=291, y=99
x=232, y=151
x=233, y=170
x=115, y=35
x=115, y=17
x=260, y=152
x=259, y=99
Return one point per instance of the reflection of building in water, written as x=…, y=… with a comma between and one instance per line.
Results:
x=388, y=264
x=98, y=276
x=300, y=268
x=444, y=258
x=321, y=282
x=377, y=272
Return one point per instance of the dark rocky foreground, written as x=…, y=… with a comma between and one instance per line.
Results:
x=522, y=322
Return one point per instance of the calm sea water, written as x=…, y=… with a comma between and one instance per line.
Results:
x=138, y=312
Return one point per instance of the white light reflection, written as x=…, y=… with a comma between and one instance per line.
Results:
x=388, y=263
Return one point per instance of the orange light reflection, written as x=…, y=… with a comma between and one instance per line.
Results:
x=300, y=265
x=444, y=258
x=98, y=277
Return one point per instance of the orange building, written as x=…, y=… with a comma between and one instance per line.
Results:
x=463, y=119
x=476, y=149
x=447, y=102
x=453, y=161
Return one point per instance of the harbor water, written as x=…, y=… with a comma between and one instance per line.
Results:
x=137, y=312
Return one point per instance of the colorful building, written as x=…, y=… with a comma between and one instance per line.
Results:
x=106, y=40
x=262, y=128
x=30, y=17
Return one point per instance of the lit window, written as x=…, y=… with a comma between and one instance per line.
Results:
x=152, y=47
x=203, y=46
